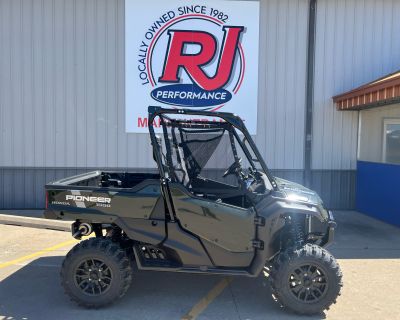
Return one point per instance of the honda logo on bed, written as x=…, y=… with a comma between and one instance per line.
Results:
x=192, y=60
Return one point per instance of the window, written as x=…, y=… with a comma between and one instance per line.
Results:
x=391, y=141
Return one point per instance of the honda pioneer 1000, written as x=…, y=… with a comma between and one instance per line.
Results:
x=213, y=208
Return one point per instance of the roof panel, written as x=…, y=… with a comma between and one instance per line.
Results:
x=383, y=91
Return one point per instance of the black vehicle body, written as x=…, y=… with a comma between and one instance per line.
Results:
x=204, y=226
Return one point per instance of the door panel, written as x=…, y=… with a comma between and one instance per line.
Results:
x=229, y=227
x=225, y=258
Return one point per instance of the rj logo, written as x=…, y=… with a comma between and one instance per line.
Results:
x=193, y=64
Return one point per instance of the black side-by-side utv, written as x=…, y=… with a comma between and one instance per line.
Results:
x=213, y=208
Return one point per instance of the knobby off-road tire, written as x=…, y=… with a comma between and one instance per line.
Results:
x=305, y=280
x=96, y=272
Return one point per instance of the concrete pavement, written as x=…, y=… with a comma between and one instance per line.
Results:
x=368, y=252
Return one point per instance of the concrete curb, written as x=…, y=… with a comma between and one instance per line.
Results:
x=35, y=222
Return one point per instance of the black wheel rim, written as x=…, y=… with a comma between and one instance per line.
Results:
x=93, y=277
x=308, y=283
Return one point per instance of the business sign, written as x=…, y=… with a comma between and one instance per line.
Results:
x=193, y=55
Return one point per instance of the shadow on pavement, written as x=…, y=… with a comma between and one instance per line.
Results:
x=359, y=236
x=34, y=292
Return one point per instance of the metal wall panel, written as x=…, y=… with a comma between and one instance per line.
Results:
x=335, y=187
x=357, y=41
x=282, y=81
x=62, y=85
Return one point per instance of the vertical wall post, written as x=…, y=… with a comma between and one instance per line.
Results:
x=309, y=92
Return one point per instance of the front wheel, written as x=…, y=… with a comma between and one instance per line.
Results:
x=306, y=280
x=96, y=272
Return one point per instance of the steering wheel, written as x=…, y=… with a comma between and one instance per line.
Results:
x=232, y=168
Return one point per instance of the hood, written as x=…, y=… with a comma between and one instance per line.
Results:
x=297, y=192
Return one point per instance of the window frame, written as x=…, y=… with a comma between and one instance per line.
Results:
x=386, y=122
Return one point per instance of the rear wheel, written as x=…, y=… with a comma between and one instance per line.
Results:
x=96, y=272
x=306, y=280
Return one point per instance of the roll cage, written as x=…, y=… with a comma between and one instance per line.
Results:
x=228, y=123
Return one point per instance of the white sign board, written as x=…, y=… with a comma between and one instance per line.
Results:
x=194, y=55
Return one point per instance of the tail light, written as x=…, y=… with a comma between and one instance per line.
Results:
x=47, y=199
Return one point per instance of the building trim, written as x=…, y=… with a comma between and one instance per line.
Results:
x=380, y=92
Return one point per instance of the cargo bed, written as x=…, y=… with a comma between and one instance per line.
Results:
x=104, y=196
x=104, y=179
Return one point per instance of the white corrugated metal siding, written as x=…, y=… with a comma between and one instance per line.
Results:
x=356, y=42
x=62, y=85
x=282, y=81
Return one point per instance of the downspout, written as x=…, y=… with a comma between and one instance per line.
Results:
x=309, y=92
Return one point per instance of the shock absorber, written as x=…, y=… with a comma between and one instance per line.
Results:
x=298, y=233
x=295, y=231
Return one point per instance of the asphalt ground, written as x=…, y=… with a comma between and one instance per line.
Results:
x=30, y=259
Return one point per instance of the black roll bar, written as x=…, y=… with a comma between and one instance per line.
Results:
x=231, y=118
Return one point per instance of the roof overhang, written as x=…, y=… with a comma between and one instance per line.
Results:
x=377, y=93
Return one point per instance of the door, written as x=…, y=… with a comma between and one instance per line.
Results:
x=201, y=165
x=231, y=228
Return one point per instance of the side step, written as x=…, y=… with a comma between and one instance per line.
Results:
x=152, y=258
x=149, y=257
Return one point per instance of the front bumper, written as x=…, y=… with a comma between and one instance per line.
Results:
x=328, y=239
